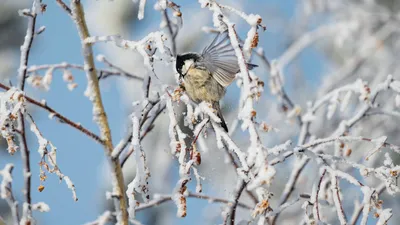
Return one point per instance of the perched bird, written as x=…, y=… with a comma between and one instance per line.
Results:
x=206, y=75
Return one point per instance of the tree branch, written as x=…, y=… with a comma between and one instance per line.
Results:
x=64, y=6
x=62, y=118
x=166, y=198
x=25, y=50
x=93, y=91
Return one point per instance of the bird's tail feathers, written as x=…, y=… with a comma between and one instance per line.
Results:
x=219, y=114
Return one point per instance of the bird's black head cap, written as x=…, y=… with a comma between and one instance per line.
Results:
x=180, y=61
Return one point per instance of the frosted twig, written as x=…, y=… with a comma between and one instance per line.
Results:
x=62, y=118
x=102, y=58
x=342, y=128
x=6, y=192
x=284, y=206
x=162, y=5
x=146, y=127
x=358, y=208
x=222, y=135
x=105, y=73
x=316, y=204
x=159, y=199
x=146, y=47
x=330, y=140
x=51, y=164
x=25, y=50
x=142, y=4
x=336, y=198
x=198, y=129
x=99, y=115
x=347, y=124
x=149, y=114
x=231, y=210
x=102, y=220
x=178, y=148
x=41, y=207
x=140, y=183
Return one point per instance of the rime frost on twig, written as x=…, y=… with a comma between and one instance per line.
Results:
x=179, y=149
x=386, y=174
x=140, y=182
x=6, y=181
x=147, y=47
x=142, y=4
x=48, y=158
x=41, y=207
x=6, y=192
x=223, y=136
x=103, y=219
x=11, y=103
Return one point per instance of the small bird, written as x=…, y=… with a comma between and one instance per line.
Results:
x=206, y=75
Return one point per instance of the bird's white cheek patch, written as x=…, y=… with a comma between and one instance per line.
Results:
x=187, y=65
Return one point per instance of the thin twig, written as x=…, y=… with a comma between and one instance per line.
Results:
x=94, y=93
x=64, y=6
x=166, y=198
x=120, y=70
x=232, y=210
x=170, y=31
x=236, y=166
x=25, y=50
x=62, y=118
x=317, y=195
x=146, y=127
x=196, y=136
x=105, y=72
x=336, y=199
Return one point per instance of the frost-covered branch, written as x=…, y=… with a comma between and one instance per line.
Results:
x=120, y=71
x=250, y=92
x=6, y=192
x=24, y=59
x=139, y=184
x=162, y=6
x=146, y=47
x=102, y=220
x=365, y=95
x=48, y=159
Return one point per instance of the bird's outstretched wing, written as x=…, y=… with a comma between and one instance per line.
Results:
x=220, y=59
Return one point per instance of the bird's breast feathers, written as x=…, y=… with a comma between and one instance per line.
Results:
x=200, y=86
